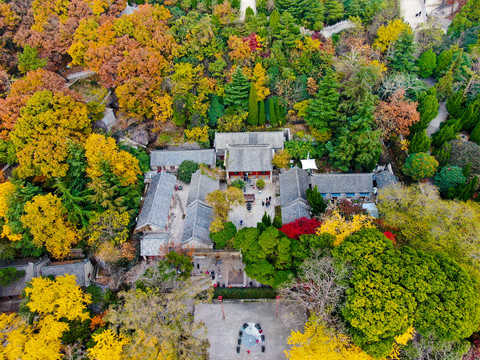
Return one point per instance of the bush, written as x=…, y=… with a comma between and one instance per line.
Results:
x=224, y=237
x=449, y=177
x=260, y=184
x=245, y=293
x=9, y=275
x=427, y=62
x=186, y=170
x=238, y=183
x=302, y=226
x=419, y=166
x=463, y=153
x=277, y=222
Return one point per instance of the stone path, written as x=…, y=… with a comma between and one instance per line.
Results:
x=244, y=5
x=328, y=31
x=223, y=334
x=441, y=117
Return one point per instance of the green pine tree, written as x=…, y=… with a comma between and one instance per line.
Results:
x=444, y=86
x=444, y=61
x=334, y=11
x=455, y=104
x=287, y=31
x=446, y=133
x=274, y=21
x=475, y=135
x=471, y=115
x=427, y=108
x=278, y=114
x=236, y=92
x=317, y=204
x=427, y=63
x=252, y=106
x=29, y=60
x=443, y=154
x=215, y=111
x=322, y=110
x=420, y=142
x=271, y=112
x=262, y=119
x=401, y=56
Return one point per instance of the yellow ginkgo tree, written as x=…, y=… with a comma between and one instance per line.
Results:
x=338, y=226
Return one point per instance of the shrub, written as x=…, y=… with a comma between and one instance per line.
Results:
x=277, y=222
x=224, y=237
x=260, y=184
x=238, y=183
x=186, y=170
x=427, y=62
x=449, y=177
x=419, y=166
x=245, y=293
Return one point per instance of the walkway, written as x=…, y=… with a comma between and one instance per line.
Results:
x=441, y=117
x=244, y=5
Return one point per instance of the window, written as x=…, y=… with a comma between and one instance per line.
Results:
x=336, y=194
x=364, y=194
x=323, y=194
x=350, y=194
x=172, y=167
x=263, y=172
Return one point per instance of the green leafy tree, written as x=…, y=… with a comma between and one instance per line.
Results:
x=444, y=85
x=420, y=166
x=266, y=219
x=443, y=154
x=182, y=263
x=186, y=170
x=427, y=62
x=252, y=106
x=401, y=55
x=317, y=204
x=447, y=132
x=238, y=183
x=29, y=60
x=237, y=91
x=321, y=112
x=444, y=61
x=224, y=238
x=7, y=152
x=449, y=177
x=420, y=142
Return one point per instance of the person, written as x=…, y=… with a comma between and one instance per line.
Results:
x=269, y=198
x=207, y=272
x=263, y=203
x=198, y=266
x=219, y=276
x=241, y=222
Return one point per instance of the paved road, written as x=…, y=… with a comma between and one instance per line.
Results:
x=441, y=117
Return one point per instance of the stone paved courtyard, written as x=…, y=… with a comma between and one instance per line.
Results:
x=223, y=334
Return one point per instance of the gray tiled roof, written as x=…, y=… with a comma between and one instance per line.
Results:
x=275, y=139
x=293, y=185
x=31, y=268
x=176, y=157
x=150, y=244
x=71, y=268
x=157, y=201
x=198, y=218
x=200, y=186
x=384, y=179
x=343, y=183
x=295, y=210
x=249, y=158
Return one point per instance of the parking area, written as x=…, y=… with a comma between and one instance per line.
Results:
x=223, y=334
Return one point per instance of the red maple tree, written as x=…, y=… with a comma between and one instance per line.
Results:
x=302, y=226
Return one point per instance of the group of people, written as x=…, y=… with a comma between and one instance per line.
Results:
x=267, y=201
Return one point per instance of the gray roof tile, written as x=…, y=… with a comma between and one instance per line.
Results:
x=72, y=268
x=249, y=158
x=157, y=201
x=198, y=218
x=151, y=244
x=200, y=186
x=295, y=210
x=293, y=186
x=275, y=139
x=343, y=183
x=176, y=157
x=384, y=179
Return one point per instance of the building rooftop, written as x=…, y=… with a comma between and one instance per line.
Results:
x=249, y=158
x=275, y=139
x=293, y=185
x=176, y=157
x=154, y=244
x=295, y=210
x=200, y=186
x=343, y=183
x=197, y=223
x=157, y=201
x=76, y=268
x=384, y=179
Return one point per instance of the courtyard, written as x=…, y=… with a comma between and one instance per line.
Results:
x=223, y=334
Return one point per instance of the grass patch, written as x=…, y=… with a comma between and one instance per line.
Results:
x=245, y=293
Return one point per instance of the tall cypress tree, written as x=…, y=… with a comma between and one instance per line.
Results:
x=471, y=115
x=261, y=115
x=252, y=106
x=475, y=135
x=420, y=142
x=271, y=112
x=455, y=104
x=277, y=111
x=236, y=92
x=334, y=11
x=215, y=111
